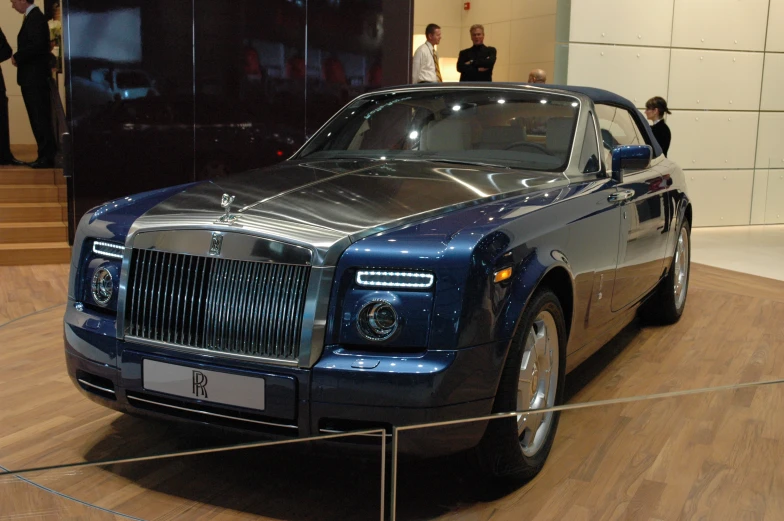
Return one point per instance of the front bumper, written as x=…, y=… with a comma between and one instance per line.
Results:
x=338, y=394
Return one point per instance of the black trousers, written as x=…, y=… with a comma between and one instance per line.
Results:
x=5, y=137
x=38, y=103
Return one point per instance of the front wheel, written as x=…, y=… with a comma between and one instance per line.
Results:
x=514, y=450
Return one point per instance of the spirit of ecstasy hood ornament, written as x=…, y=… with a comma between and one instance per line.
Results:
x=227, y=218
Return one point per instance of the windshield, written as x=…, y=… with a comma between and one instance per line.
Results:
x=531, y=130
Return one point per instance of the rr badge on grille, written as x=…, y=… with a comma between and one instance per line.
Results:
x=216, y=243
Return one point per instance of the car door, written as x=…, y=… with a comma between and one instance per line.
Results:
x=643, y=237
x=595, y=236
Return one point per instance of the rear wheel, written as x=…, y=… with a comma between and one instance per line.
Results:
x=667, y=304
x=514, y=450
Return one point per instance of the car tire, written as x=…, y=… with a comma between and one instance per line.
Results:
x=510, y=453
x=666, y=305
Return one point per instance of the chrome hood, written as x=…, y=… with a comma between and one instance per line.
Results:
x=327, y=205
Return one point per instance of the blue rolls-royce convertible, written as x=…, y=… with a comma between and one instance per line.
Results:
x=432, y=253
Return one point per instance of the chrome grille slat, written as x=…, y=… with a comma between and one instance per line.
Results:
x=266, y=309
x=242, y=318
x=229, y=286
x=285, y=311
x=173, y=280
x=147, y=330
x=209, y=305
x=195, y=323
x=253, y=283
x=258, y=305
x=218, y=305
x=183, y=303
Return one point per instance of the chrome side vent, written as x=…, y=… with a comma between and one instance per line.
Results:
x=220, y=305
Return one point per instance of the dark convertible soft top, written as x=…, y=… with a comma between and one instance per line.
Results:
x=610, y=98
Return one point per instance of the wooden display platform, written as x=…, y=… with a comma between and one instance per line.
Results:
x=714, y=455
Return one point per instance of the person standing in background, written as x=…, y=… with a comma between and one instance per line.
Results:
x=6, y=157
x=424, y=68
x=32, y=75
x=655, y=109
x=476, y=63
x=537, y=76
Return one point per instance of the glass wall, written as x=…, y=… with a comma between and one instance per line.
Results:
x=187, y=90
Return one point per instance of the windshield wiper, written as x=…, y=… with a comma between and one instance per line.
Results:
x=461, y=162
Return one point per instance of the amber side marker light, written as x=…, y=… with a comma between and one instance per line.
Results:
x=502, y=275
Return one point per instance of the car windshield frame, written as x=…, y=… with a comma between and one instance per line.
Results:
x=471, y=116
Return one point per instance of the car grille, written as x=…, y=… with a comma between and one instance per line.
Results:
x=221, y=305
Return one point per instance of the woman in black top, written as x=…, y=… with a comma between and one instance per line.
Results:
x=655, y=109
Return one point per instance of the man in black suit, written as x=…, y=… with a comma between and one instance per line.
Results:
x=476, y=63
x=6, y=158
x=32, y=75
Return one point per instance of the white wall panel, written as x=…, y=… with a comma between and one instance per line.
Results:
x=9, y=76
x=450, y=42
x=486, y=11
x=774, y=208
x=713, y=139
x=759, y=196
x=501, y=73
x=18, y=121
x=532, y=39
x=533, y=8
x=773, y=82
x=638, y=73
x=439, y=12
x=715, y=80
x=720, y=24
x=720, y=198
x=770, y=144
x=465, y=38
x=630, y=22
x=497, y=35
x=776, y=26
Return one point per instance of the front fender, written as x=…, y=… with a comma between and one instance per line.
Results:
x=543, y=267
x=493, y=310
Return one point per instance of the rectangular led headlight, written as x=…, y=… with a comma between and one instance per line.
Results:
x=109, y=249
x=395, y=279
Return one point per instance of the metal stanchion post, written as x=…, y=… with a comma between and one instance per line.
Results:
x=383, y=470
x=393, y=493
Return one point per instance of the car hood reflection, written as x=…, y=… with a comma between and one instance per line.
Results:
x=325, y=201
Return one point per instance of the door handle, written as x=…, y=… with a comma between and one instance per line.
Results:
x=621, y=195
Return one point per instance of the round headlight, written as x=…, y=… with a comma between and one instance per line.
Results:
x=377, y=320
x=102, y=286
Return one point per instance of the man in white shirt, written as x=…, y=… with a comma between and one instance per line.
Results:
x=425, y=68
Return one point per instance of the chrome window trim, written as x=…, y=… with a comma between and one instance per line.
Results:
x=592, y=117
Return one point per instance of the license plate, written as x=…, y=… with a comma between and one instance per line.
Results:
x=201, y=384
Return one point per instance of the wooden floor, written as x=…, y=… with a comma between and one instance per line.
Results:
x=715, y=456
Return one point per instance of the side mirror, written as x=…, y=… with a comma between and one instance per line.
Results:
x=630, y=158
